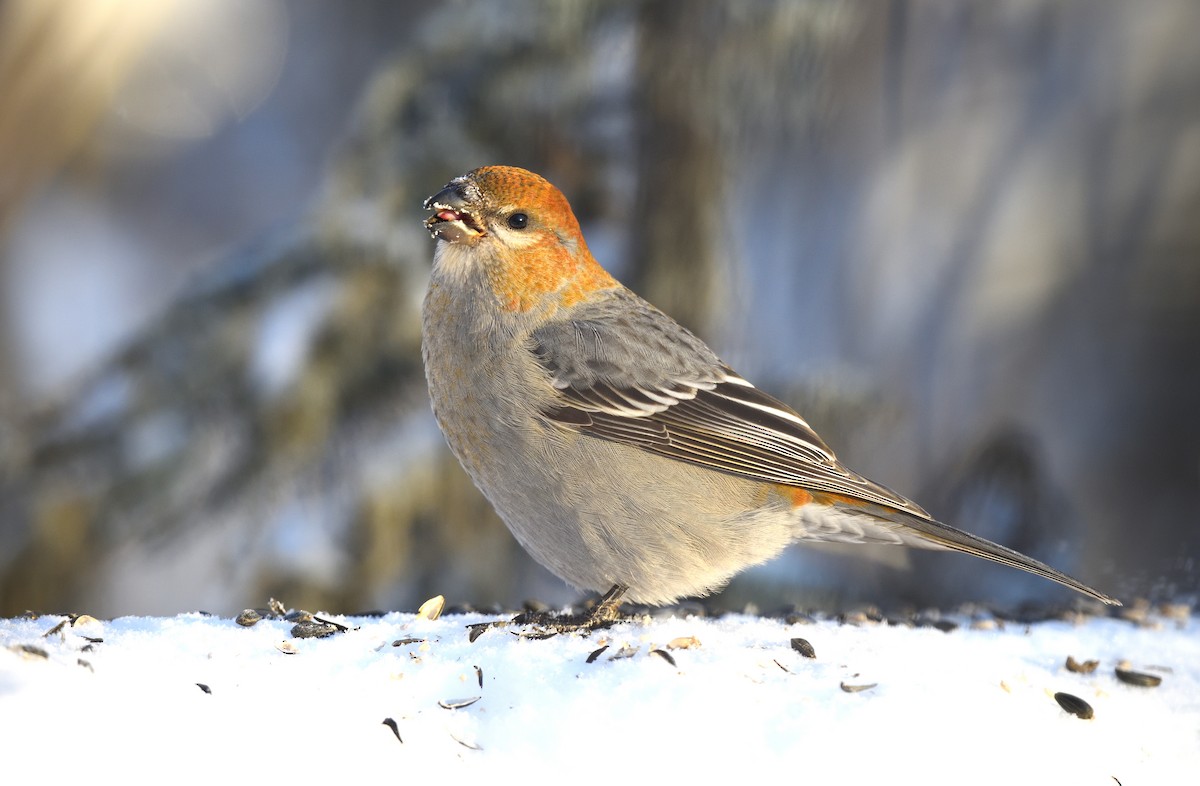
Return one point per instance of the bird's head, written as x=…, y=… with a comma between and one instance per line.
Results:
x=514, y=207
x=523, y=228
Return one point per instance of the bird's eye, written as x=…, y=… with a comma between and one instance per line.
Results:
x=518, y=221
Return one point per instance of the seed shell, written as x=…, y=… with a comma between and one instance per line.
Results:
x=804, y=648
x=857, y=688
x=456, y=704
x=1138, y=678
x=1074, y=705
x=1087, y=667
x=664, y=655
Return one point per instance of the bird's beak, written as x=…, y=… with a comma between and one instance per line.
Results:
x=452, y=219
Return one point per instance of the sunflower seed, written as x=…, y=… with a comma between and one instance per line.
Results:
x=314, y=629
x=626, y=651
x=804, y=648
x=56, y=629
x=204, y=687
x=432, y=608
x=857, y=688
x=456, y=704
x=1074, y=705
x=664, y=655
x=1139, y=678
x=248, y=617
x=683, y=643
x=391, y=724
x=466, y=744
x=596, y=654
x=479, y=675
x=29, y=650
x=1087, y=667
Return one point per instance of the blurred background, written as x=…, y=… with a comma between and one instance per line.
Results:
x=962, y=238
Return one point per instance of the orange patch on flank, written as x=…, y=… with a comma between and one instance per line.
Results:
x=797, y=495
x=829, y=498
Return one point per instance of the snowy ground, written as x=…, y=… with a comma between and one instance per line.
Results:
x=195, y=698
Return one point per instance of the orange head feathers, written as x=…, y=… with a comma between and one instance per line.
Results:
x=537, y=250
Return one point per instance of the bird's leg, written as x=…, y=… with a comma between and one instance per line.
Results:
x=608, y=610
x=543, y=624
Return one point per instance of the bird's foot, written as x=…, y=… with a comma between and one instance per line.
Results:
x=545, y=624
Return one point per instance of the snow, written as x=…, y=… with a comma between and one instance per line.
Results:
x=970, y=705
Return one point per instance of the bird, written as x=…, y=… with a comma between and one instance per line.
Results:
x=621, y=452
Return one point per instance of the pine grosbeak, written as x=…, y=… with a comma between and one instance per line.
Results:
x=617, y=447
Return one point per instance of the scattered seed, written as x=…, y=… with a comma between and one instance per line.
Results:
x=479, y=676
x=286, y=647
x=83, y=619
x=432, y=608
x=92, y=639
x=626, y=651
x=313, y=629
x=683, y=643
x=407, y=640
x=248, y=617
x=596, y=654
x=1087, y=667
x=277, y=608
x=1137, y=611
x=457, y=704
x=298, y=615
x=804, y=648
x=29, y=650
x=1139, y=678
x=477, y=630
x=340, y=627
x=986, y=623
x=86, y=664
x=857, y=688
x=204, y=688
x=664, y=655
x=780, y=665
x=536, y=634
x=56, y=629
x=465, y=744
x=1179, y=612
x=391, y=724
x=1074, y=705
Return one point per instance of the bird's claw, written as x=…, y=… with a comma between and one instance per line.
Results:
x=546, y=624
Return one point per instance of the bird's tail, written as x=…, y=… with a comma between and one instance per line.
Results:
x=927, y=533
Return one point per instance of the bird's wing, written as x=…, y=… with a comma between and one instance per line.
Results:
x=627, y=373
